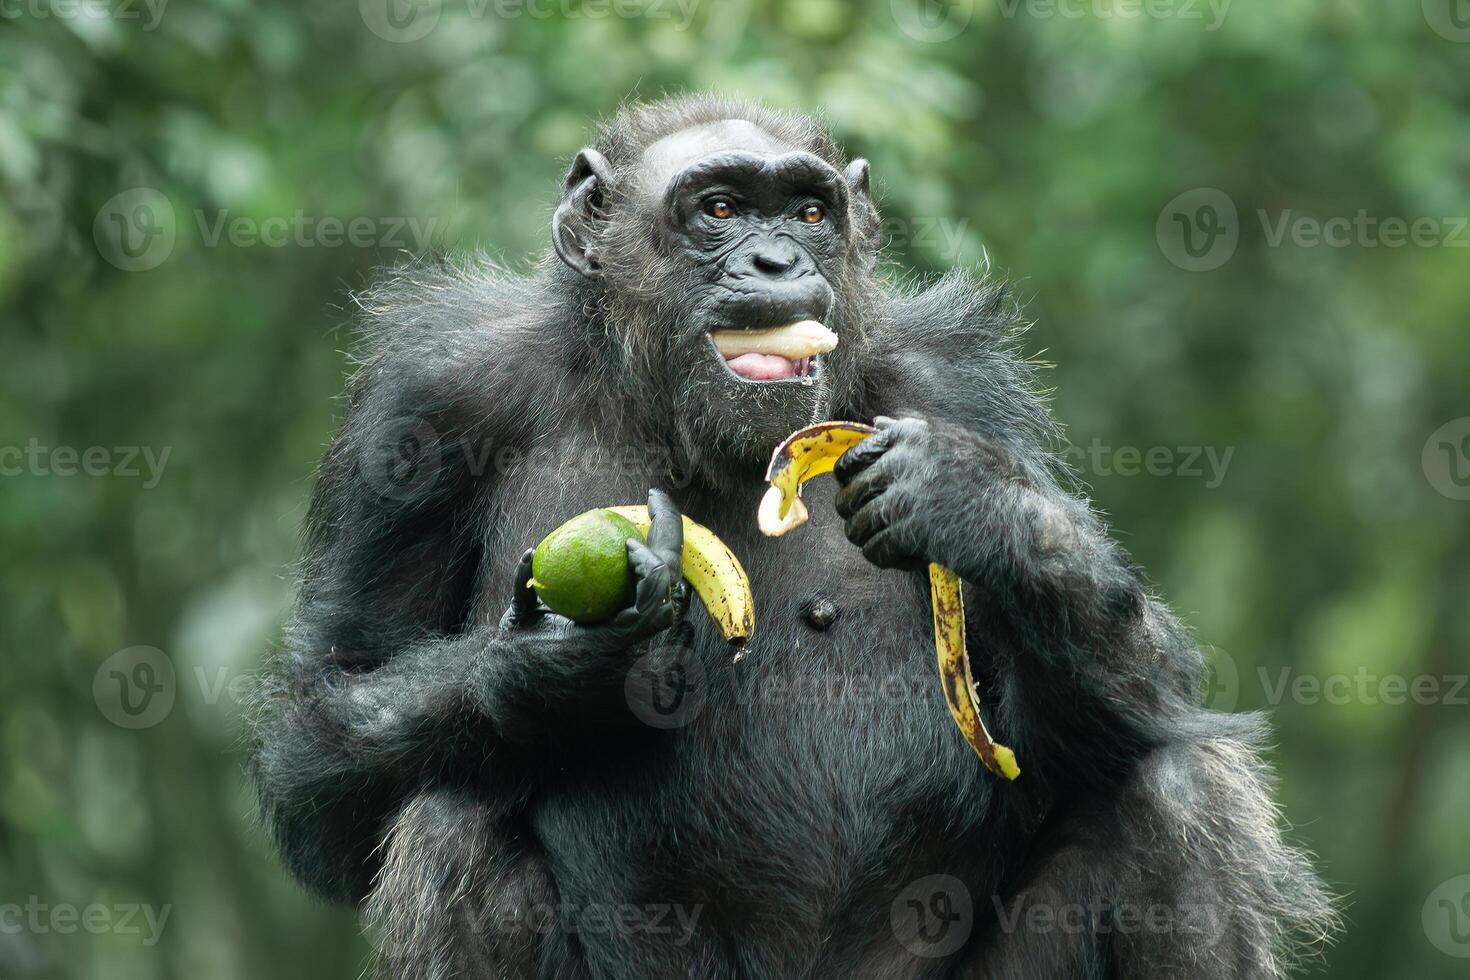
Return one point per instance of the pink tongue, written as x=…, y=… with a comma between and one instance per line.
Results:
x=762, y=367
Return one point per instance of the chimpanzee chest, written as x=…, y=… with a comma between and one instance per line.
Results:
x=787, y=791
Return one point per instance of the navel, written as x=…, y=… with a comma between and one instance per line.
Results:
x=820, y=612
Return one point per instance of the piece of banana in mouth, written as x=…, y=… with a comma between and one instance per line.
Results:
x=774, y=353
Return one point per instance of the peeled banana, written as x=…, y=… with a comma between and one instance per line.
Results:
x=715, y=574
x=814, y=450
x=795, y=340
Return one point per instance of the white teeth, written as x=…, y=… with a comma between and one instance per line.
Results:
x=794, y=341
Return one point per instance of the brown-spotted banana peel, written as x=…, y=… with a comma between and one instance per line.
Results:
x=715, y=574
x=814, y=450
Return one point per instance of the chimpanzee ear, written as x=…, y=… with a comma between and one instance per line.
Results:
x=866, y=226
x=574, y=224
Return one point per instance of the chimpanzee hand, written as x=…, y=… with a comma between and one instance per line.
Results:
x=920, y=492
x=661, y=597
x=546, y=677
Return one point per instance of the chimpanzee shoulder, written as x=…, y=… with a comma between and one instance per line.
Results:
x=951, y=348
x=468, y=343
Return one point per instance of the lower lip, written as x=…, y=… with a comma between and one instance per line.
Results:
x=769, y=367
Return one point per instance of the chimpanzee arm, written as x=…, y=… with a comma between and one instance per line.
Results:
x=384, y=687
x=1081, y=670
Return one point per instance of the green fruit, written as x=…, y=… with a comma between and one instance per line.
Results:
x=580, y=570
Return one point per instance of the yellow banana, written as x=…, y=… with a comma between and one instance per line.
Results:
x=715, y=574
x=814, y=450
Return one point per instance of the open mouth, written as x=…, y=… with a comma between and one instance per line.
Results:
x=769, y=367
x=786, y=353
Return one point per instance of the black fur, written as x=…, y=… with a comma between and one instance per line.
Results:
x=489, y=794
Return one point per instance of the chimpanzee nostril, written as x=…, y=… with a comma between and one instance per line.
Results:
x=777, y=260
x=773, y=263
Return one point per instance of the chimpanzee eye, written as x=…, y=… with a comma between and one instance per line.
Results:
x=812, y=213
x=719, y=208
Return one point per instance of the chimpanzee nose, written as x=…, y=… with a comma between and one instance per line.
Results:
x=777, y=259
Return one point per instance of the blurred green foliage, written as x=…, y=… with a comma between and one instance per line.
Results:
x=201, y=316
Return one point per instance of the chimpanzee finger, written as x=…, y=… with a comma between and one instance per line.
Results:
x=889, y=548
x=524, y=606
x=853, y=496
x=884, y=422
x=869, y=520
x=645, y=618
x=861, y=456
x=656, y=579
x=637, y=624
x=645, y=622
x=665, y=528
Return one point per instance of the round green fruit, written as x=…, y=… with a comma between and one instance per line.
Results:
x=580, y=570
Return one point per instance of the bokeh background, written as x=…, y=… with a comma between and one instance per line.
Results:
x=1240, y=227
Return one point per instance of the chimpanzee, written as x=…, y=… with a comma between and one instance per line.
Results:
x=511, y=794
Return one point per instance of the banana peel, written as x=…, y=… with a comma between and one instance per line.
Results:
x=713, y=572
x=954, y=672
x=806, y=453
x=815, y=450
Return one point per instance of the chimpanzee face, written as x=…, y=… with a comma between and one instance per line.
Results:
x=725, y=234
x=761, y=231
